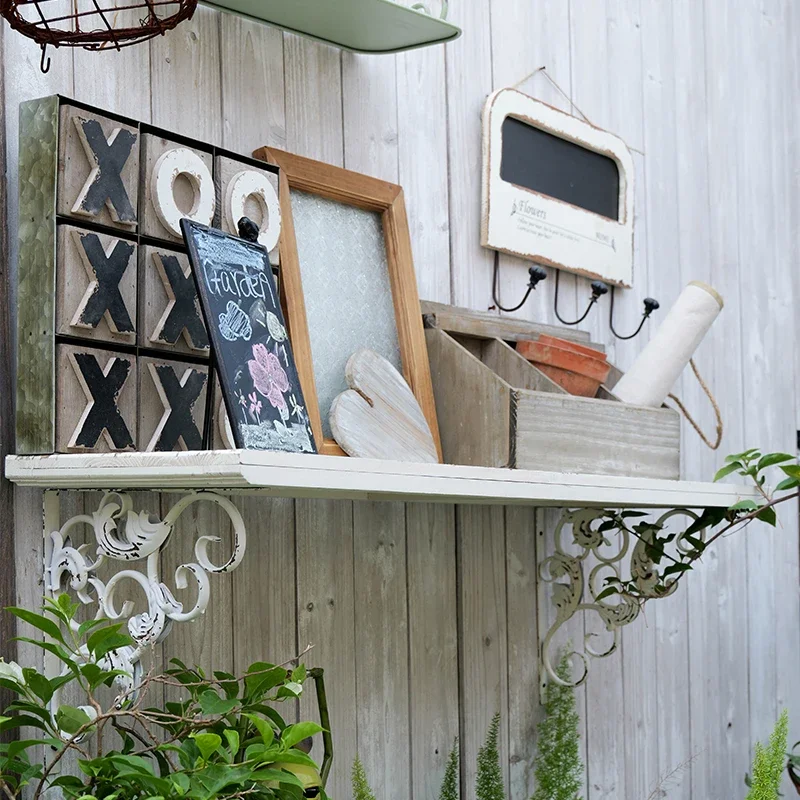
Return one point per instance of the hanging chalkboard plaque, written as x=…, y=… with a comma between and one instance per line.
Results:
x=249, y=341
x=556, y=190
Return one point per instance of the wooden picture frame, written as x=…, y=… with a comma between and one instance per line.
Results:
x=370, y=194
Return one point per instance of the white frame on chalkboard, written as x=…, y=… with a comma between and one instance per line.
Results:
x=532, y=225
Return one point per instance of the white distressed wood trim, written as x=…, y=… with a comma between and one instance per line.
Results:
x=298, y=475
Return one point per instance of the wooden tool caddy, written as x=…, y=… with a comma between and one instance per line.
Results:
x=496, y=409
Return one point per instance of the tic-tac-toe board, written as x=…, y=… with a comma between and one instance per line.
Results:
x=113, y=351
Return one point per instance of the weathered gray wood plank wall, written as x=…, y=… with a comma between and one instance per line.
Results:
x=424, y=616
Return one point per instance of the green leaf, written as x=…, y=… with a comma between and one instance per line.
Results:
x=276, y=776
x=181, y=782
x=228, y=684
x=787, y=483
x=38, y=621
x=698, y=544
x=744, y=505
x=70, y=719
x=206, y=743
x=106, y=639
x=290, y=689
x=58, y=651
x=768, y=515
x=22, y=721
x=296, y=733
x=299, y=673
x=266, y=677
x=607, y=592
x=232, y=738
x=792, y=470
x=263, y=727
x=294, y=757
x=39, y=684
x=132, y=765
x=773, y=458
x=12, y=686
x=89, y=625
x=725, y=471
x=211, y=703
x=674, y=568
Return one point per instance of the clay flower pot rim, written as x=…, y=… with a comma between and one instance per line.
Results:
x=566, y=359
x=590, y=352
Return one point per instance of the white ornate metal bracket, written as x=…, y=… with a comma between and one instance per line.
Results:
x=125, y=535
x=572, y=571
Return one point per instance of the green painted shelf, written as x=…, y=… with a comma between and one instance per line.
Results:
x=361, y=26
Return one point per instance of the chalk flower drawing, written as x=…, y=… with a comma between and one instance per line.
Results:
x=269, y=378
x=255, y=406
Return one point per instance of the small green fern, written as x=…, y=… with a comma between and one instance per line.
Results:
x=559, y=770
x=489, y=779
x=361, y=788
x=769, y=763
x=449, y=790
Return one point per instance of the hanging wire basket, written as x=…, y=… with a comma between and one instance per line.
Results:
x=93, y=24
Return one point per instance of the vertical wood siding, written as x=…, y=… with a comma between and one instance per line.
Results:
x=425, y=616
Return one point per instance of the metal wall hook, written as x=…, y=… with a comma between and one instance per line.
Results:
x=535, y=276
x=45, y=68
x=650, y=305
x=598, y=290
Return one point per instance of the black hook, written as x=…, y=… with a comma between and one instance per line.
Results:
x=535, y=276
x=598, y=290
x=650, y=305
x=42, y=66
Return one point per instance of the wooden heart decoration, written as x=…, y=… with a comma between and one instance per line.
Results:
x=378, y=416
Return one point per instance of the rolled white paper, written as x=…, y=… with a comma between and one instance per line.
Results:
x=655, y=371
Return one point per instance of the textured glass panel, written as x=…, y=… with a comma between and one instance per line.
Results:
x=346, y=287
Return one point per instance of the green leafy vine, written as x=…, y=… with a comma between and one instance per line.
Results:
x=707, y=526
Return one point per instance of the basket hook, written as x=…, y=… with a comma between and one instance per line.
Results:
x=45, y=68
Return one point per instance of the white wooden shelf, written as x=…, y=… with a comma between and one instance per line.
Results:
x=291, y=475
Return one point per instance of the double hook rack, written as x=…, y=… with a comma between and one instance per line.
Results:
x=599, y=288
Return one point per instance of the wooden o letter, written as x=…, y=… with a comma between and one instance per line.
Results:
x=169, y=166
x=249, y=183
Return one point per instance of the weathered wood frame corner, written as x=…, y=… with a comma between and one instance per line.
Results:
x=370, y=194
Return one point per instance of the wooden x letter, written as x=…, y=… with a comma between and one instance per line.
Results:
x=177, y=424
x=105, y=186
x=101, y=415
x=182, y=313
x=105, y=270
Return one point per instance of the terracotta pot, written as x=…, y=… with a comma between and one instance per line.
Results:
x=576, y=372
x=578, y=348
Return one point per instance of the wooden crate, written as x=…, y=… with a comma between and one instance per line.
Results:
x=496, y=409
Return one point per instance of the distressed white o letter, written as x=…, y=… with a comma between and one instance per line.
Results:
x=169, y=166
x=249, y=183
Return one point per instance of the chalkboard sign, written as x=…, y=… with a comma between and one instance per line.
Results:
x=249, y=342
x=546, y=163
x=556, y=189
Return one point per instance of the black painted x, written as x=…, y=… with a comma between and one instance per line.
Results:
x=105, y=184
x=179, y=401
x=108, y=271
x=182, y=311
x=103, y=412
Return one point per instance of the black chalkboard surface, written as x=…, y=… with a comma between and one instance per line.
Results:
x=538, y=160
x=249, y=341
